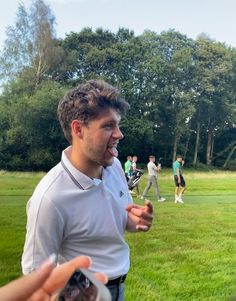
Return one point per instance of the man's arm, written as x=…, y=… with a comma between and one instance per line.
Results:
x=44, y=234
x=178, y=174
x=156, y=168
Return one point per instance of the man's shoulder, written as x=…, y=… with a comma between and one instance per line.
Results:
x=115, y=172
x=51, y=179
x=176, y=164
x=116, y=163
x=53, y=173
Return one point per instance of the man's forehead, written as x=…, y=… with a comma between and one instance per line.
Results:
x=109, y=115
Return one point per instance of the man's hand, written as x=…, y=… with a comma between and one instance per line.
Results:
x=43, y=284
x=139, y=217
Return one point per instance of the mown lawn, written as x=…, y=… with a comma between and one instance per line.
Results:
x=15, y=189
x=189, y=254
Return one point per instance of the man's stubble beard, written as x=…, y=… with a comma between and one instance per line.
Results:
x=96, y=156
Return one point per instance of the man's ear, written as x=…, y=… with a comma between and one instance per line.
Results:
x=77, y=128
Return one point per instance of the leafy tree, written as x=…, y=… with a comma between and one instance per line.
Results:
x=172, y=75
x=32, y=137
x=30, y=49
x=214, y=99
x=88, y=55
x=176, y=88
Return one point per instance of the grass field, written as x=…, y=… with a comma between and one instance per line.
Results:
x=189, y=254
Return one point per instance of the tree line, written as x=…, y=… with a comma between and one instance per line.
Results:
x=182, y=92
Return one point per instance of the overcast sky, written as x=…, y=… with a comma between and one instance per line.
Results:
x=191, y=17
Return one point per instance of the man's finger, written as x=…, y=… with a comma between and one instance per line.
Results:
x=143, y=228
x=101, y=277
x=141, y=213
x=136, y=212
x=149, y=206
x=130, y=207
x=62, y=273
x=21, y=289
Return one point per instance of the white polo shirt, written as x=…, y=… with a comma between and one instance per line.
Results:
x=152, y=169
x=70, y=214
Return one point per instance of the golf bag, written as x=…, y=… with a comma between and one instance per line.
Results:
x=135, y=178
x=160, y=161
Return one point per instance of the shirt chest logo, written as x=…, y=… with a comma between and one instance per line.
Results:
x=121, y=193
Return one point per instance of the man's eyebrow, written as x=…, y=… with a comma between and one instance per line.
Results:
x=111, y=121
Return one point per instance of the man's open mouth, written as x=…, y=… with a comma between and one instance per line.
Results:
x=112, y=149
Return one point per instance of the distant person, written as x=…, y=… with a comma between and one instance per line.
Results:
x=134, y=170
x=180, y=185
x=152, y=179
x=128, y=164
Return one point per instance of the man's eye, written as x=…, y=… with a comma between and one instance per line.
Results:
x=108, y=126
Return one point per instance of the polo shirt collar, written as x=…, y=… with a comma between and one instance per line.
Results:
x=81, y=180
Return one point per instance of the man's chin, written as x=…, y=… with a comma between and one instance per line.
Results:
x=108, y=162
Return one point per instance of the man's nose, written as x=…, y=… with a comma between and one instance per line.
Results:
x=118, y=134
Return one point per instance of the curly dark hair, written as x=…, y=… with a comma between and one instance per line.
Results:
x=86, y=102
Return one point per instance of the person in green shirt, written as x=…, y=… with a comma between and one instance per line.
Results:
x=180, y=185
x=128, y=164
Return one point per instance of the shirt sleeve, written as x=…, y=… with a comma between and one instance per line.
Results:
x=154, y=167
x=44, y=233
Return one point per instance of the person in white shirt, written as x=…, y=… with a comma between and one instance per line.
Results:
x=83, y=206
x=152, y=179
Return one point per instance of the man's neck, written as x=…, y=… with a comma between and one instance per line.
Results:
x=86, y=167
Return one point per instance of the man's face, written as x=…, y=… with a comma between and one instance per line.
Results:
x=179, y=159
x=101, y=138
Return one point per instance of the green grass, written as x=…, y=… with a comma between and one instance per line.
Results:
x=15, y=189
x=189, y=254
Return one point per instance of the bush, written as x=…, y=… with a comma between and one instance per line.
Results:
x=201, y=167
x=231, y=165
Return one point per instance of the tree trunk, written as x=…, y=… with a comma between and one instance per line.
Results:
x=226, y=149
x=209, y=147
x=186, y=147
x=229, y=156
x=176, y=139
x=212, y=146
x=196, y=144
